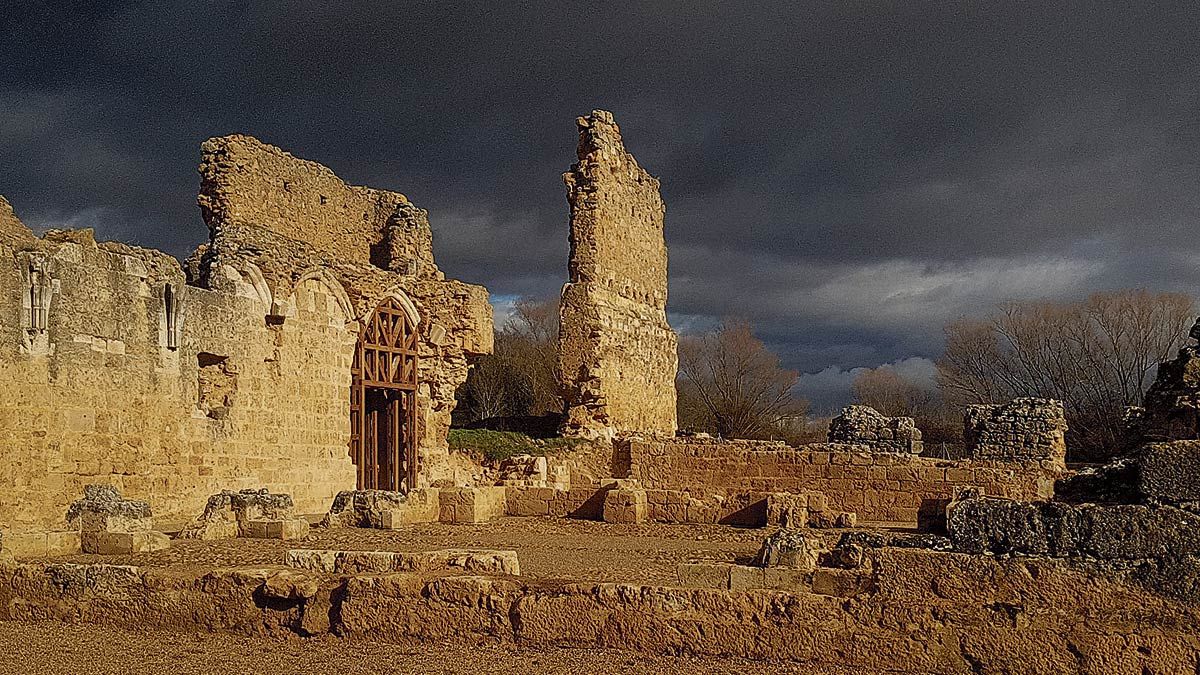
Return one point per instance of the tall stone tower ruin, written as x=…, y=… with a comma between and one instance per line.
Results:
x=616, y=352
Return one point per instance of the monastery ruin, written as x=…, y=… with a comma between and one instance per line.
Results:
x=287, y=391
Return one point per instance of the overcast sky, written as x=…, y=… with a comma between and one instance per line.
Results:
x=846, y=175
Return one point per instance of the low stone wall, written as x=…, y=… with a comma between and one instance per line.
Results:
x=886, y=487
x=923, y=610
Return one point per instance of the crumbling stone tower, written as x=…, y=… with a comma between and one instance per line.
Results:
x=616, y=352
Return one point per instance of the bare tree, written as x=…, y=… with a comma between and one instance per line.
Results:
x=518, y=378
x=1097, y=356
x=732, y=385
x=888, y=392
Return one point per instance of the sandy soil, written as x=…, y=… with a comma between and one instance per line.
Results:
x=548, y=548
x=60, y=649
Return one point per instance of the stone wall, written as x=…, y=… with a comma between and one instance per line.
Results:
x=246, y=183
x=1026, y=429
x=100, y=397
x=617, y=354
x=284, y=219
x=862, y=425
x=926, y=610
x=121, y=367
x=877, y=486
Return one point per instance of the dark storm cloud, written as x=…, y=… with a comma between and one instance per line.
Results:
x=849, y=176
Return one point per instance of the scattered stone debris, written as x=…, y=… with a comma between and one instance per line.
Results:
x=471, y=561
x=256, y=514
x=791, y=548
x=109, y=524
x=383, y=509
x=863, y=425
x=534, y=471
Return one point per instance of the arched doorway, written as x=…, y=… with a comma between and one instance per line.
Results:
x=383, y=398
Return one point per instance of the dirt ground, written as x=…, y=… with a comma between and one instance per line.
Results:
x=548, y=548
x=61, y=649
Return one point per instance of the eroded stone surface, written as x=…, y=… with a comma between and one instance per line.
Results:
x=473, y=561
x=865, y=426
x=790, y=548
x=1025, y=429
x=617, y=354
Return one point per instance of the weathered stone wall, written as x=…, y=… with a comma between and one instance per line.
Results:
x=285, y=219
x=863, y=425
x=617, y=353
x=121, y=368
x=1025, y=429
x=100, y=397
x=877, y=486
x=246, y=183
x=924, y=610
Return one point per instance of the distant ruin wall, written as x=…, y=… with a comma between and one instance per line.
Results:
x=877, y=486
x=617, y=353
x=862, y=425
x=1026, y=429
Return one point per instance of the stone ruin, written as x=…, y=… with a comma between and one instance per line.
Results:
x=383, y=509
x=234, y=369
x=1026, y=429
x=109, y=524
x=617, y=354
x=255, y=514
x=862, y=425
x=1171, y=406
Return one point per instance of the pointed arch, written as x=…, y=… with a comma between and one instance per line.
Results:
x=325, y=277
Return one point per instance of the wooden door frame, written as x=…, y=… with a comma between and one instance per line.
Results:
x=385, y=357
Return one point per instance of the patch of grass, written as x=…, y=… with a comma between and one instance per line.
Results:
x=500, y=445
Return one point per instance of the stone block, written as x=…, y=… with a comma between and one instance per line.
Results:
x=744, y=578
x=704, y=575
x=419, y=506
x=839, y=583
x=786, y=579
x=473, y=561
x=787, y=510
x=123, y=543
x=1170, y=472
x=471, y=505
x=626, y=506
x=37, y=543
x=262, y=528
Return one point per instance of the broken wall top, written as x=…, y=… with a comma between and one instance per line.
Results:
x=616, y=216
x=12, y=231
x=253, y=195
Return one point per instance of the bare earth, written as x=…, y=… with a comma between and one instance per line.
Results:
x=61, y=649
x=548, y=548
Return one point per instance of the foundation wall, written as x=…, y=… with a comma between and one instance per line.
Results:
x=877, y=486
x=923, y=610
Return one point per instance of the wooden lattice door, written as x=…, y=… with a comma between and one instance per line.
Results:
x=383, y=396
